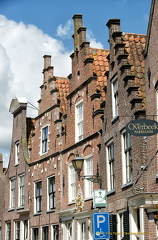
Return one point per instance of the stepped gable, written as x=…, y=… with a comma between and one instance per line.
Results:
x=100, y=67
x=62, y=84
x=134, y=47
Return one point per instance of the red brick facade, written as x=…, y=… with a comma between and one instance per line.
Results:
x=86, y=114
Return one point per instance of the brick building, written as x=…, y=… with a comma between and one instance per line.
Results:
x=16, y=196
x=85, y=115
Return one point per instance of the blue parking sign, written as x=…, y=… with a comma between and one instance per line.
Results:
x=101, y=225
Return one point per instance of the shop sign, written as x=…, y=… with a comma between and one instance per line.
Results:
x=99, y=198
x=142, y=127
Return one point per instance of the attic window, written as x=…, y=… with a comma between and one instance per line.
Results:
x=78, y=75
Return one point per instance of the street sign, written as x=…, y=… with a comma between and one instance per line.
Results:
x=101, y=225
x=99, y=198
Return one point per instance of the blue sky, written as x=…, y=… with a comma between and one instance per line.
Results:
x=47, y=15
x=30, y=29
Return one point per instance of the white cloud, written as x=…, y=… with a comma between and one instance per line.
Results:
x=65, y=31
x=92, y=40
x=22, y=48
x=21, y=55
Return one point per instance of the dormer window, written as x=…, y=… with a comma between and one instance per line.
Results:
x=17, y=152
x=79, y=121
x=115, y=100
x=44, y=140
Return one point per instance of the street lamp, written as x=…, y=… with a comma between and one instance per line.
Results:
x=77, y=163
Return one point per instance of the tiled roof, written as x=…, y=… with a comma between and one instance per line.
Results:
x=134, y=47
x=62, y=84
x=100, y=67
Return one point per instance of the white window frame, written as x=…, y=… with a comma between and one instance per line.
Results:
x=88, y=171
x=8, y=231
x=51, y=193
x=110, y=166
x=72, y=183
x=81, y=230
x=126, y=158
x=37, y=197
x=44, y=140
x=68, y=231
x=79, y=121
x=17, y=152
x=115, y=99
x=35, y=237
x=12, y=192
x=21, y=190
x=17, y=231
x=42, y=233
x=120, y=225
x=55, y=230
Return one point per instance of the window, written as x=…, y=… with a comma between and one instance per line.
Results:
x=38, y=196
x=123, y=225
x=17, y=152
x=45, y=231
x=26, y=229
x=12, y=193
x=55, y=229
x=17, y=230
x=127, y=158
x=82, y=230
x=45, y=140
x=79, y=121
x=51, y=193
x=88, y=170
x=110, y=167
x=8, y=231
x=34, y=233
x=21, y=190
x=115, y=97
x=69, y=231
x=72, y=183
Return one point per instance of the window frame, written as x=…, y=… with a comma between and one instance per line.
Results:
x=88, y=171
x=21, y=191
x=115, y=98
x=12, y=192
x=34, y=232
x=110, y=165
x=8, y=231
x=17, y=152
x=79, y=121
x=51, y=193
x=126, y=158
x=55, y=230
x=17, y=230
x=38, y=198
x=71, y=183
x=45, y=237
x=44, y=139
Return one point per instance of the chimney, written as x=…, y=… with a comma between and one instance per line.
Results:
x=48, y=69
x=77, y=24
x=114, y=26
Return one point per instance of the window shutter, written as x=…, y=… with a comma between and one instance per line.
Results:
x=126, y=225
x=113, y=227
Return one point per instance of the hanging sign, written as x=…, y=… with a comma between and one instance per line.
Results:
x=142, y=127
x=99, y=198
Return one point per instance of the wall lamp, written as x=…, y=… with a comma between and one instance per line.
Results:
x=77, y=163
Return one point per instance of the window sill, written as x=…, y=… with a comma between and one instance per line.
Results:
x=88, y=198
x=16, y=164
x=71, y=203
x=126, y=185
x=114, y=119
x=36, y=214
x=19, y=208
x=50, y=211
x=111, y=192
x=11, y=209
